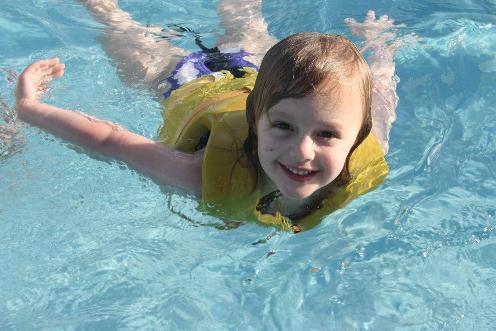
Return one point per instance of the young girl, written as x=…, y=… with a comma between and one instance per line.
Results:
x=286, y=145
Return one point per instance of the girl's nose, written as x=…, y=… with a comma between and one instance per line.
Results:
x=304, y=148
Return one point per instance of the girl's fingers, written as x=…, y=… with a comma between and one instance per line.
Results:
x=37, y=65
x=350, y=21
x=371, y=15
x=42, y=64
x=57, y=70
x=44, y=70
x=50, y=62
x=385, y=18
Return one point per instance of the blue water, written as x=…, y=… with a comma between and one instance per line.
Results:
x=87, y=244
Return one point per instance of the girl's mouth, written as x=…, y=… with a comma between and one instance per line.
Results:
x=299, y=175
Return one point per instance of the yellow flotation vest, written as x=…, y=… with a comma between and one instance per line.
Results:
x=214, y=105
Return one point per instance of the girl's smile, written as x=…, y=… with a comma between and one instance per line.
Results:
x=303, y=143
x=299, y=175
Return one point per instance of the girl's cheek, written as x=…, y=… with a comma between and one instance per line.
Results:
x=268, y=147
x=272, y=143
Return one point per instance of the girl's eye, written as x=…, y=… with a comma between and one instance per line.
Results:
x=281, y=125
x=327, y=134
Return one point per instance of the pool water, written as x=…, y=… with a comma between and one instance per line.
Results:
x=87, y=244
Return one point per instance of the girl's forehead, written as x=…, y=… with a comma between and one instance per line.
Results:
x=335, y=86
x=345, y=108
x=323, y=98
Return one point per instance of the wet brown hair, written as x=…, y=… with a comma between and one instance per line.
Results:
x=303, y=64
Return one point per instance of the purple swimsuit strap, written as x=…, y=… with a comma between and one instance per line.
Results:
x=200, y=63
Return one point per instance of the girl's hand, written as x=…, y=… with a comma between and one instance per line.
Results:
x=376, y=32
x=32, y=83
x=372, y=26
x=380, y=37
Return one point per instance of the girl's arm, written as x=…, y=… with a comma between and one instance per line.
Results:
x=163, y=164
x=245, y=28
x=379, y=38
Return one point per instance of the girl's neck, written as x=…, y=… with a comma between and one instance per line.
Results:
x=276, y=202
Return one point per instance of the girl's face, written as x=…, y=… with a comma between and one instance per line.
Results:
x=303, y=143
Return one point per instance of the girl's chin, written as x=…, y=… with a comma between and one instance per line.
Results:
x=307, y=194
x=297, y=195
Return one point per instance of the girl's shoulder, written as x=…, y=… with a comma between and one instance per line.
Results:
x=210, y=86
x=191, y=111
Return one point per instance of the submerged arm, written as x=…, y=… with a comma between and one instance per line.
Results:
x=245, y=27
x=163, y=164
x=378, y=35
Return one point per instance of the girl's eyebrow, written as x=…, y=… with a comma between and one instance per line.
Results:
x=278, y=110
x=331, y=124
x=334, y=125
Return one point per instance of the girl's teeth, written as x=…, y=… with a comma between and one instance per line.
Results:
x=299, y=172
